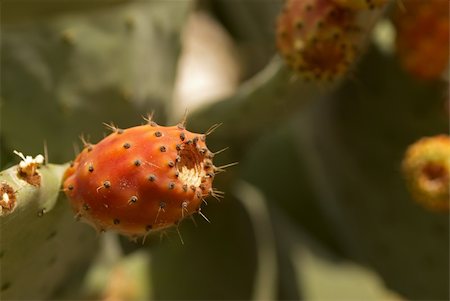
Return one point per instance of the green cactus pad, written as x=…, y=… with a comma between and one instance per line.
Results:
x=40, y=240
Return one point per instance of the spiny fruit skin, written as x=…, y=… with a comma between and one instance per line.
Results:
x=317, y=38
x=140, y=179
x=422, y=42
x=427, y=170
x=361, y=4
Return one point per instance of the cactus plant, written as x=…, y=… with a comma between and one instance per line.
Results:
x=319, y=199
x=36, y=263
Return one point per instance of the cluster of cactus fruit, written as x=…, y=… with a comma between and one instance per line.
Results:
x=141, y=179
x=321, y=39
x=145, y=179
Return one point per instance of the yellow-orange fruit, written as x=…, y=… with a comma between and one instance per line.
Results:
x=426, y=167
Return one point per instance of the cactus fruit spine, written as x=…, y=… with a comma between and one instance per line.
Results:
x=141, y=179
x=427, y=170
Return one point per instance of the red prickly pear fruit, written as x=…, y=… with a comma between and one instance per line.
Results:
x=317, y=38
x=427, y=170
x=361, y=4
x=422, y=42
x=140, y=179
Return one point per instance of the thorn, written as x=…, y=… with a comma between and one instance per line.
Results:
x=76, y=149
x=213, y=128
x=221, y=151
x=218, y=195
x=193, y=220
x=204, y=201
x=179, y=235
x=184, y=208
x=183, y=121
x=45, y=152
x=202, y=215
x=149, y=118
x=145, y=236
x=162, y=205
x=222, y=168
x=111, y=127
x=85, y=141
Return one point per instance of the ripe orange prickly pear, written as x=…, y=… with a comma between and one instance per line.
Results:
x=140, y=179
x=427, y=169
x=422, y=41
x=317, y=38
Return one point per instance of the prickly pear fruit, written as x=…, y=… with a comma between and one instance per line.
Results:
x=427, y=169
x=361, y=4
x=317, y=38
x=141, y=179
x=422, y=41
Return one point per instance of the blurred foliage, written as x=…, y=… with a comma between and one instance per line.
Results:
x=317, y=207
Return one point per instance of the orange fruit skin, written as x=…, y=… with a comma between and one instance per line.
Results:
x=422, y=42
x=132, y=181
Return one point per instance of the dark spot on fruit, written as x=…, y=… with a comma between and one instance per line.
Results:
x=163, y=149
x=171, y=185
x=71, y=164
x=171, y=164
x=70, y=187
x=195, y=140
x=177, y=174
x=116, y=221
x=137, y=162
x=178, y=147
x=185, y=187
x=182, y=136
x=120, y=131
x=152, y=178
x=126, y=145
x=89, y=148
x=178, y=159
x=133, y=199
x=158, y=134
x=107, y=184
x=162, y=205
x=91, y=168
x=189, y=142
